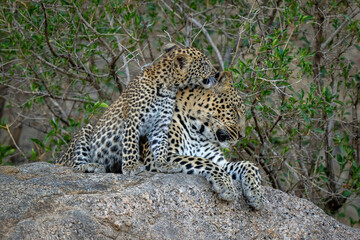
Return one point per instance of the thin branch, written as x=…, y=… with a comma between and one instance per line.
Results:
x=61, y=116
x=68, y=56
x=188, y=33
x=94, y=30
x=256, y=122
x=13, y=140
x=42, y=94
x=122, y=49
x=274, y=125
x=205, y=32
x=324, y=44
x=46, y=31
x=61, y=70
x=237, y=49
x=250, y=149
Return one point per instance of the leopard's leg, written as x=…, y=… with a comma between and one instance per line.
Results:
x=250, y=178
x=158, y=139
x=78, y=152
x=221, y=182
x=66, y=158
x=130, y=136
x=81, y=154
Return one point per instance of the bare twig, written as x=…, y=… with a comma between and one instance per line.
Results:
x=70, y=74
x=203, y=29
x=46, y=31
x=122, y=50
x=324, y=44
x=206, y=33
x=250, y=149
x=61, y=70
x=43, y=94
x=237, y=49
x=68, y=56
x=6, y=127
x=256, y=122
x=94, y=30
x=274, y=125
x=188, y=33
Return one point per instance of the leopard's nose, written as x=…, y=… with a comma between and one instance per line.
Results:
x=209, y=81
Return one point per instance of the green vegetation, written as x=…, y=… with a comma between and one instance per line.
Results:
x=295, y=61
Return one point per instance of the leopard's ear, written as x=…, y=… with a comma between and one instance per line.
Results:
x=225, y=81
x=224, y=77
x=181, y=62
x=170, y=46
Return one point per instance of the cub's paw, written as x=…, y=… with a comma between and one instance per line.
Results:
x=92, y=168
x=133, y=169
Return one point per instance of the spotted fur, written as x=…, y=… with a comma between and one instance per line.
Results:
x=144, y=109
x=204, y=122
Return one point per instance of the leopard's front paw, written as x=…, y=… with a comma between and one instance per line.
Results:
x=255, y=198
x=228, y=195
x=167, y=167
x=225, y=187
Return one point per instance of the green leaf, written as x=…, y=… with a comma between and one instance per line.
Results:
x=357, y=209
x=339, y=102
x=319, y=130
x=347, y=193
x=38, y=142
x=103, y=105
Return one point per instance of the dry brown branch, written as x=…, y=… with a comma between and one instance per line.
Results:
x=88, y=25
x=43, y=94
x=6, y=127
x=257, y=128
x=251, y=149
x=331, y=37
x=59, y=69
x=76, y=76
x=203, y=29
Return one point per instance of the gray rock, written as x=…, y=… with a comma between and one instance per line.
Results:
x=43, y=201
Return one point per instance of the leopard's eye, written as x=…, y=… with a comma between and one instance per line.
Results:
x=222, y=135
x=206, y=67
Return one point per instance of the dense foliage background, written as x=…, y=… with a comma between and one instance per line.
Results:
x=62, y=62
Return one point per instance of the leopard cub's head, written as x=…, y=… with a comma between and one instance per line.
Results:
x=190, y=67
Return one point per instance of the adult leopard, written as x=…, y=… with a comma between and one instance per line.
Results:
x=204, y=122
x=145, y=108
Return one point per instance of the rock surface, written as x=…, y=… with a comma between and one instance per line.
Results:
x=43, y=201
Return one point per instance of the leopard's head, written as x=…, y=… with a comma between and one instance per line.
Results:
x=190, y=67
x=222, y=114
